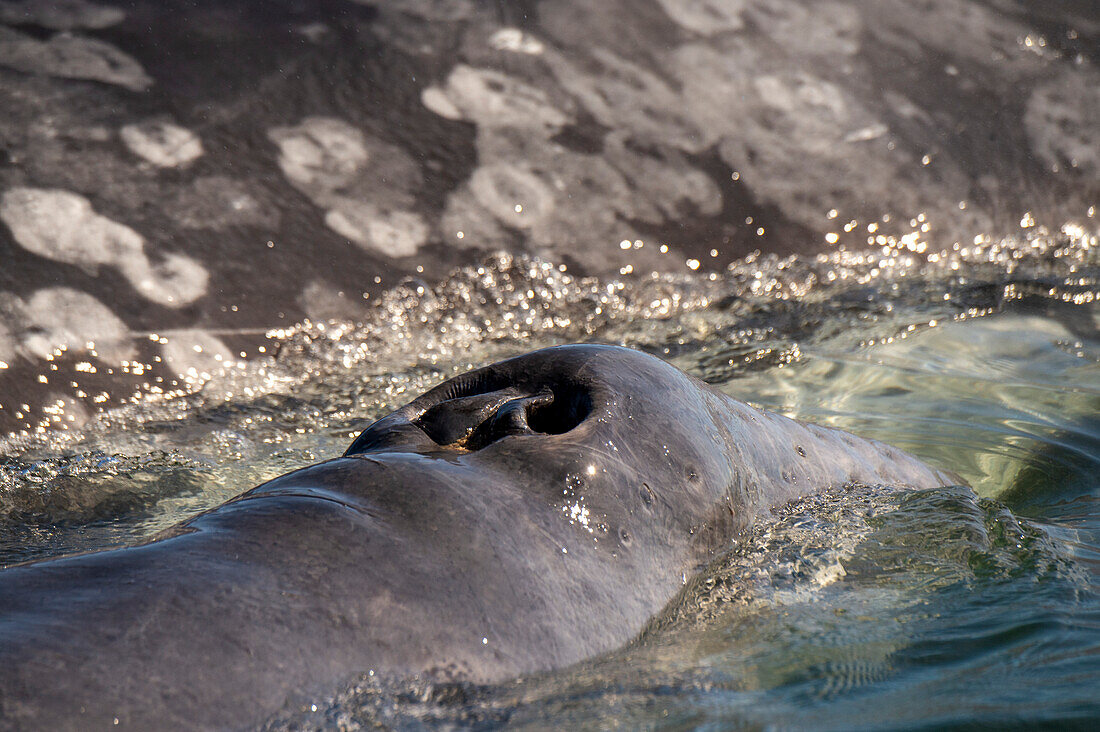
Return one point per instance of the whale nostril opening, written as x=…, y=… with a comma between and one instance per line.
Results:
x=565, y=410
x=510, y=419
x=477, y=409
x=455, y=419
x=473, y=421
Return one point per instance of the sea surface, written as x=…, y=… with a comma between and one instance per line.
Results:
x=860, y=607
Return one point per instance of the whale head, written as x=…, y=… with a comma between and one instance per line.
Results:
x=623, y=429
x=561, y=498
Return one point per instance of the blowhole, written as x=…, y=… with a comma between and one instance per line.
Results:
x=473, y=414
x=567, y=410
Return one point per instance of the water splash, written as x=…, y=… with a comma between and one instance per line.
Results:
x=760, y=312
x=772, y=633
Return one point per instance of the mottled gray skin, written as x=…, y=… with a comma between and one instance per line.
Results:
x=442, y=541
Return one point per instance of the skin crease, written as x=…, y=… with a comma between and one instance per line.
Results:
x=469, y=559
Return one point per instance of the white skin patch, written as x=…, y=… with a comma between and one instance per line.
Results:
x=62, y=226
x=393, y=234
x=512, y=194
x=558, y=197
x=516, y=41
x=72, y=57
x=492, y=99
x=195, y=354
x=566, y=201
x=162, y=143
x=706, y=17
x=321, y=153
x=802, y=143
x=626, y=97
x=7, y=346
x=63, y=318
x=360, y=181
x=174, y=282
x=436, y=100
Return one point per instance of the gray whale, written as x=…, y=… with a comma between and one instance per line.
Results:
x=520, y=517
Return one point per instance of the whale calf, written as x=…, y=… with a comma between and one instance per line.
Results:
x=520, y=517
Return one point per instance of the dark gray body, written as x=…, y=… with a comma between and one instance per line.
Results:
x=521, y=517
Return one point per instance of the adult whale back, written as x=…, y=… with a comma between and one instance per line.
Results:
x=520, y=517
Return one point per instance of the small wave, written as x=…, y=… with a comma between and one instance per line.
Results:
x=85, y=501
x=835, y=594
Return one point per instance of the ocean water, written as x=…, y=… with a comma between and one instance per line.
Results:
x=858, y=607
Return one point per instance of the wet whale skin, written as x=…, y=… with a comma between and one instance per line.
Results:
x=521, y=517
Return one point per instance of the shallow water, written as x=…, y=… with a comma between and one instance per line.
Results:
x=858, y=607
